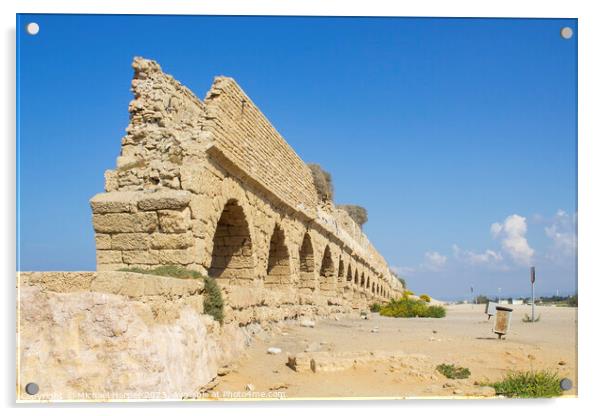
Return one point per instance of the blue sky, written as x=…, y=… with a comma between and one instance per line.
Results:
x=458, y=135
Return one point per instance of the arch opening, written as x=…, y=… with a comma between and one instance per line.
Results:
x=306, y=263
x=232, y=256
x=327, y=272
x=341, y=270
x=279, y=271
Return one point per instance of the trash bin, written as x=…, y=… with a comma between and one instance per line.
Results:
x=502, y=320
x=490, y=309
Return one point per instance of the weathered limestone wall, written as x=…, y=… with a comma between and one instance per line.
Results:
x=212, y=186
x=115, y=335
x=247, y=139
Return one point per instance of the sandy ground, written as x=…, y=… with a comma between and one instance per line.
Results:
x=464, y=338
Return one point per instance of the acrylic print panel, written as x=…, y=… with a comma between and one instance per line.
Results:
x=295, y=207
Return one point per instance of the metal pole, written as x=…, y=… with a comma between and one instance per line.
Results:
x=532, y=302
x=532, y=294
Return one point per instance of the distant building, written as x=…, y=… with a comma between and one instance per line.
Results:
x=517, y=301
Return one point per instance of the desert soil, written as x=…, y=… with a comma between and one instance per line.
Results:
x=464, y=337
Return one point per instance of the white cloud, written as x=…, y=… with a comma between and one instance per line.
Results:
x=513, y=237
x=472, y=258
x=434, y=261
x=495, y=229
x=562, y=232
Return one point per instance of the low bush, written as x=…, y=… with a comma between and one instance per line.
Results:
x=425, y=298
x=527, y=318
x=453, y=372
x=411, y=308
x=213, y=303
x=375, y=307
x=407, y=293
x=529, y=384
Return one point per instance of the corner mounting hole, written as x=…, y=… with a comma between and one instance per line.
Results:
x=566, y=32
x=31, y=389
x=32, y=28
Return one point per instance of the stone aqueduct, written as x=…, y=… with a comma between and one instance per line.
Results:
x=212, y=186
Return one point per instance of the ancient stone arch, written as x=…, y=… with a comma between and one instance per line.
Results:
x=341, y=277
x=279, y=268
x=307, y=274
x=232, y=255
x=327, y=272
x=201, y=184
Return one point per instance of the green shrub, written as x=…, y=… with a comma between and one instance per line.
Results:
x=375, y=307
x=213, y=303
x=407, y=293
x=411, y=308
x=572, y=301
x=453, y=372
x=425, y=298
x=436, y=312
x=529, y=384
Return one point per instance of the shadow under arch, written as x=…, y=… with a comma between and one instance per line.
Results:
x=327, y=272
x=307, y=275
x=279, y=269
x=232, y=255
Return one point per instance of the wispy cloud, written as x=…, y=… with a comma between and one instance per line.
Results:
x=434, y=261
x=562, y=232
x=473, y=258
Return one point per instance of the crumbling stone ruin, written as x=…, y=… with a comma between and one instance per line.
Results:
x=212, y=186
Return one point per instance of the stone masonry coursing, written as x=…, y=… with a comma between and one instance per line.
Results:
x=212, y=186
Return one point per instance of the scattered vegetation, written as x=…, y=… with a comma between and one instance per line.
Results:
x=407, y=293
x=481, y=299
x=213, y=303
x=527, y=318
x=411, y=308
x=357, y=213
x=453, y=372
x=572, y=301
x=529, y=384
x=322, y=182
x=375, y=307
x=425, y=298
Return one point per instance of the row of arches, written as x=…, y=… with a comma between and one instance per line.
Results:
x=232, y=258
